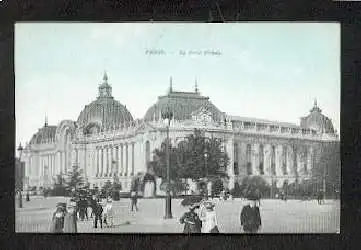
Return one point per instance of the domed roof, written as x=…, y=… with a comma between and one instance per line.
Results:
x=45, y=134
x=182, y=105
x=104, y=113
x=317, y=121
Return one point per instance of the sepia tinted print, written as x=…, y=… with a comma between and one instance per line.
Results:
x=177, y=128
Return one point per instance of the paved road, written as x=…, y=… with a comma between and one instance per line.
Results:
x=293, y=216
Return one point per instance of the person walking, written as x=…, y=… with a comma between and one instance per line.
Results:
x=134, y=200
x=57, y=223
x=98, y=211
x=191, y=221
x=250, y=217
x=70, y=219
x=209, y=218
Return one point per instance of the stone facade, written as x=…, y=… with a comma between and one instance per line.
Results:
x=104, y=146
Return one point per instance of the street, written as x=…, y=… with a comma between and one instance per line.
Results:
x=293, y=216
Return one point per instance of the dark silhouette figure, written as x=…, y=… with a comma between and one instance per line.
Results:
x=191, y=220
x=250, y=218
x=134, y=199
x=98, y=215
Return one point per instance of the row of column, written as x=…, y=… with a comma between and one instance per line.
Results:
x=271, y=159
x=114, y=159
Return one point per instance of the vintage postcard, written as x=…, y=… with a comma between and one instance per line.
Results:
x=177, y=127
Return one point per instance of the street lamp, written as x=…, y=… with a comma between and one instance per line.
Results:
x=20, y=149
x=168, y=209
x=206, y=169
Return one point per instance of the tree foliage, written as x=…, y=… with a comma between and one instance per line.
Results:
x=74, y=178
x=188, y=159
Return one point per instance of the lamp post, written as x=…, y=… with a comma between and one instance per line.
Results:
x=168, y=209
x=20, y=149
x=206, y=170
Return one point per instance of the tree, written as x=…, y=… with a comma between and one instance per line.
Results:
x=188, y=159
x=327, y=165
x=74, y=178
x=59, y=187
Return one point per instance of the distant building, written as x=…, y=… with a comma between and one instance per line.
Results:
x=106, y=140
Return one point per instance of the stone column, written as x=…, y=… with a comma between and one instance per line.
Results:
x=133, y=147
x=103, y=161
x=242, y=165
x=289, y=160
x=108, y=162
x=126, y=159
x=122, y=159
x=98, y=161
x=117, y=160
x=278, y=159
x=85, y=150
x=267, y=159
x=255, y=159
x=230, y=170
x=309, y=159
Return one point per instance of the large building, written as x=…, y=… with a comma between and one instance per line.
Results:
x=106, y=140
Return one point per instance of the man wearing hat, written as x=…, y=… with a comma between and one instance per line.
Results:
x=192, y=223
x=250, y=216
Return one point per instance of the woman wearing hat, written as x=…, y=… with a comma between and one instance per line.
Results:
x=70, y=219
x=209, y=218
x=192, y=223
x=57, y=224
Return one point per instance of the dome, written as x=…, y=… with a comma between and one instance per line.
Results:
x=104, y=113
x=45, y=135
x=182, y=104
x=317, y=121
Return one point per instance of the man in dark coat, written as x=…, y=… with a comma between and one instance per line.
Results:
x=98, y=215
x=192, y=223
x=251, y=217
x=134, y=199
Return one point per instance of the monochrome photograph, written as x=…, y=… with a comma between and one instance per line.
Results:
x=177, y=128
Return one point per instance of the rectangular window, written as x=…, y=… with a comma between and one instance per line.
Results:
x=235, y=168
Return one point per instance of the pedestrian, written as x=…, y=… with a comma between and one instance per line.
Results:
x=250, y=217
x=108, y=213
x=209, y=218
x=98, y=215
x=257, y=194
x=93, y=204
x=191, y=220
x=57, y=223
x=70, y=220
x=134, y=199
x=320, y=199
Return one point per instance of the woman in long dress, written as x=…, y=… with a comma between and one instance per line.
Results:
x=57, y=224
x=192, y=223
x=109, y=213
x=209, y=218
x=70, y=220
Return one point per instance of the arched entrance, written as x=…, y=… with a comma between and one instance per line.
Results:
x=149, y=185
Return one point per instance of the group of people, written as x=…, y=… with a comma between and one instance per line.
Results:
x=205, y=220
x=65, y=217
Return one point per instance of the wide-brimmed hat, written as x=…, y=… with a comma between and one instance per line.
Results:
x=194, y=206
x=209, y=204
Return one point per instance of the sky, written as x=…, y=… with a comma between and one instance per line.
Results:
x=264, y=70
